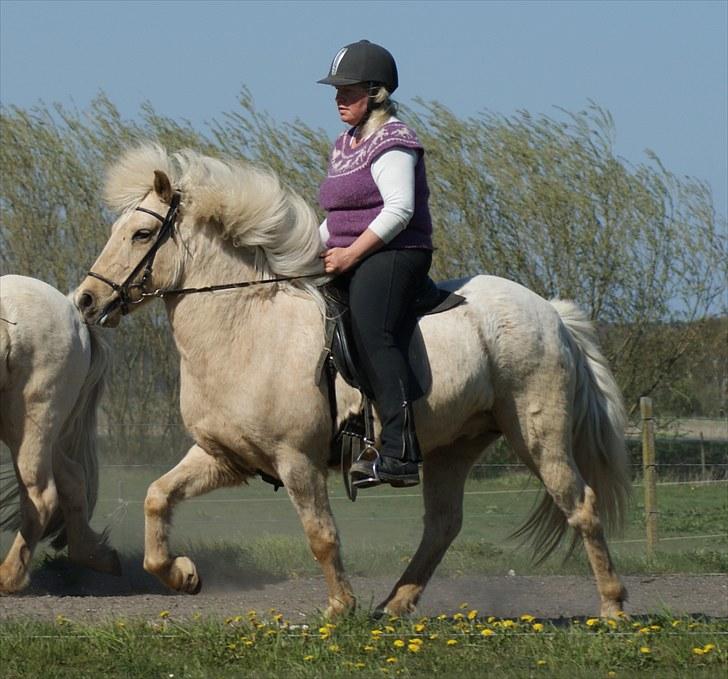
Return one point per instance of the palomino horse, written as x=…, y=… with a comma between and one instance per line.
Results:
x=51, y=376
x=505, y=363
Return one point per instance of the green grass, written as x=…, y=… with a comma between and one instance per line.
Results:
x=260, y=529
x=252, y=645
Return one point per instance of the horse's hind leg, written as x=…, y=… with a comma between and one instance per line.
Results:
x=38, y=501
x=306, y=486
x=197, y=473
x=444, y=474
x=85, y=546
x=546, y=443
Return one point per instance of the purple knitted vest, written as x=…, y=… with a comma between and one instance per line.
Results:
x=351, y=198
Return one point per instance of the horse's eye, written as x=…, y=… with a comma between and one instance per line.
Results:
x=142, y=235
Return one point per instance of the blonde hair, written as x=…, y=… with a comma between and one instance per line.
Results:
x=385, y=108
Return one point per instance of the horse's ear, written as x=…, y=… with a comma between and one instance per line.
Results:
x=162, y=186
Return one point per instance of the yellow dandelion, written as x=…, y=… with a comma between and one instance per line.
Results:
x=452, y=642
x=359, y=665
x=487, y=632
x=592, y=622
x=698, y=651
x=164, y=614
x=398, y=643
x=676, y=623
x=612, y=623
x=491, y=618
x=537, y=627
x=308, y=658
x=645, y=650
x=644, y=630
x=458, y=616
x=376, y=633
x=655, y=628
x=508, y=624
x=368, y=648
x=540, y=663
x=277, y=617
x=419, y=628
x=414, y=648
x=391, y=661
x=527, y=618
x=465, y=605
x=472, y=614
x=249, y=643
x=709, y=647
x=442, y=616
x=611, y=673
x=389, y=628
x=334, y=648
x=434, y=636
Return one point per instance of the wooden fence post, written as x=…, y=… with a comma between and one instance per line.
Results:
x=649, y=474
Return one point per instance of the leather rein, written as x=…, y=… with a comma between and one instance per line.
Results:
x=124, y=290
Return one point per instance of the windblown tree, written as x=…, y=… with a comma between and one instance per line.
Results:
x=545, y=202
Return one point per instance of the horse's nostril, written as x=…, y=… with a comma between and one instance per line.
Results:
x=85, y=301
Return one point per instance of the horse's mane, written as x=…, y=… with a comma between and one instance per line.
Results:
x=248, y=203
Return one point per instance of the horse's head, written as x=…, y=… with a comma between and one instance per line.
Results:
x=135, y=261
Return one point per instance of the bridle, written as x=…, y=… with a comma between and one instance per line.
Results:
x=124, y=290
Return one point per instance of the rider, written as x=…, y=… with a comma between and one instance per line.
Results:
x=378, y=239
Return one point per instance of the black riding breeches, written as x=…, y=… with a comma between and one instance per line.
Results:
x=382, y=291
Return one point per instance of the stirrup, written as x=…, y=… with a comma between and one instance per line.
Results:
x=363, y=472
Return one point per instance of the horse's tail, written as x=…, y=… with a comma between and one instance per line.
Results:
x=598, y=446
x=78, y=438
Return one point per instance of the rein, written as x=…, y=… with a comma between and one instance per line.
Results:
x=124, y=290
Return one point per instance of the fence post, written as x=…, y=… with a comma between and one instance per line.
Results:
x=703, y=471
x=649, y=474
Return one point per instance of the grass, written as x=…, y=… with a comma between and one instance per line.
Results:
x=259, y=529
x=255, y=644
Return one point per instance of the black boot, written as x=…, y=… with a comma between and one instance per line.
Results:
x=397, y=463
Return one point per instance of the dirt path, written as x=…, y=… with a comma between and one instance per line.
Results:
x=88, y=597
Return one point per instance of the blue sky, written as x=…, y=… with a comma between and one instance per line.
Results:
x=660, y=68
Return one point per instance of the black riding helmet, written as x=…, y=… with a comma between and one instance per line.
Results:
x=361, y=62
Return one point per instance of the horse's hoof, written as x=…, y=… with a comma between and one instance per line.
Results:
x=197, y=588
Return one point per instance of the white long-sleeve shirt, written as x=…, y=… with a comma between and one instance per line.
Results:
x=394, y=174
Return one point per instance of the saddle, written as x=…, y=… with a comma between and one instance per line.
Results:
x=339, y=356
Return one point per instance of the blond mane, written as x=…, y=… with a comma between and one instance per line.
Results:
x=250, y=205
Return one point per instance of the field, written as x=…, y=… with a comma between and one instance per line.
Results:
x=252, y=554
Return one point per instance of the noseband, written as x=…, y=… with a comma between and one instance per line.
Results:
x=124, y=290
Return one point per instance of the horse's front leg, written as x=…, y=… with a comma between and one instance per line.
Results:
x=197, y=473
x=306, y=486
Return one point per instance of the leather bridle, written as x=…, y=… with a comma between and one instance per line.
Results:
x=124, y=290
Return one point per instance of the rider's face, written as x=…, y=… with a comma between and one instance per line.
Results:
x=351, y=102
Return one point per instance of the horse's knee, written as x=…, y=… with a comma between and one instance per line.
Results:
x=324, y=544
x=155, y=502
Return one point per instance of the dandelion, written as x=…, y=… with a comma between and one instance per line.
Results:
x=487, y=632
x=465, y=605
x=368, y=648
x=491, y=618
x=472, y=614
x=308, y=658
x=709, y=647
x=611, y=673
x=334, y=648
x=414, y=648
x=416, y=641
x=458, y=616
x=434, y=636
x=540, y=663
x=389, y=629
x=508, y=624
x=645, y=650
x=592, y=622
x=391, y=660
x=537, y=627
x=527, y=618
x=442, y=616
x=655, y=628
x=164, y=614
x=376, y=633
x=398, y=643
x=359, y=665
x=644, y=630
x=612, y=623
x=676, y=623
x=452, y=642
x=419, y=628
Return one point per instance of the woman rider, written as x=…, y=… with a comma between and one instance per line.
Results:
x=378, y=240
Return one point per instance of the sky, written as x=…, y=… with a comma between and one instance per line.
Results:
x=660, y=68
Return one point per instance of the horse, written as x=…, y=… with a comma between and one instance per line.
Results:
x=504, y=363
x=52, y=369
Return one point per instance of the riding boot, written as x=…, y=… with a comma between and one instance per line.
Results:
x=400, y=452
x=397, y=462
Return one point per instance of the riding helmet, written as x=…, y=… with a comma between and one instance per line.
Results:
x=360, y=62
